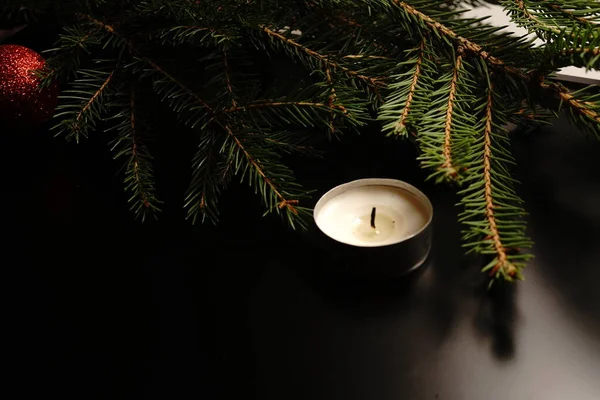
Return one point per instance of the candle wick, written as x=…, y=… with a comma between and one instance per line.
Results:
x=373, y=211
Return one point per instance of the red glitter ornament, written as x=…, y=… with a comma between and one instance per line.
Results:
x=22, y=102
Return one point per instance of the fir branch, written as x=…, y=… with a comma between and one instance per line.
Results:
x=324, y=60
x=412, y=89
x=66, y=57
x=270, y=104
x=528, y=115
x=348, y=105
x=198, y=35
x=83, y=104
x=446, y=129
x=183, y=100
x=525, y=18
x=549, y=19
x=283, y=202
x=95, y=96
x=570, y=14
x=581, y=51
x=191, y=108
x=208, y=179
x=273, y=180
x=447, y=149
x=399, y=105
x=108, y=28
x=364, y=56
x=185, y=89
x=210, y=172
x=227, y=76
x=580, y=108
x=492, y=213
x=331, y=100
x=292, y=114
x=583, y=108
x=226, y=173
x=579, y=47
x=467, y=45
x=136, y=151
x=197, y=56
x=501, y=256
x=139, y=174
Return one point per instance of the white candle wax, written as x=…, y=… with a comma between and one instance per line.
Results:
x=346, y=217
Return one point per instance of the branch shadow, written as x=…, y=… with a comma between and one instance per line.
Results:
x=559, y=171
x=496, y=318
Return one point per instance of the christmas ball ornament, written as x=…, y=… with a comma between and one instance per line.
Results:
x=22, y=101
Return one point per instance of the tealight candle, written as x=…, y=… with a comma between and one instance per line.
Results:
x=378, y=213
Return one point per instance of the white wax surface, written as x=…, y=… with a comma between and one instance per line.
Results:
x=346, y=217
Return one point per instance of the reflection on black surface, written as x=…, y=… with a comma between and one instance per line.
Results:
x=102, y=307
x=560, y=174
x=496, y=318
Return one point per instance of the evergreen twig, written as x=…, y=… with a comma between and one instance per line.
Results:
x=139, y=174
x=88, y=96
x=586, y=110
x=446, y=149
x=421, y=67
x=501, y=257
x=399, y=105
x=492, y=213
x=326, y=61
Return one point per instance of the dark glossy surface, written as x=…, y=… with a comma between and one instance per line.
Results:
x=101, y=307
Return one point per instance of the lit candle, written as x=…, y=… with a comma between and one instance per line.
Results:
x=373, y=213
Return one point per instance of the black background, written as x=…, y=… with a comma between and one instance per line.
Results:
x=99, y=306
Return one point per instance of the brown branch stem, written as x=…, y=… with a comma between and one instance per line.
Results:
x=325, y=60
x=447, y=148
x=489, y=199
x=228, y=78
x=283, y=202
x=266, y=104
x=413, y=86
x=594, y=51
x=155, y=66
x=535, y=20
x=496, y=62
x=570, y=15
x=134, y=151
x=567, y=97
x=361, y=56
x=330, y=100
x=467, y=44
x=97, y=94
x=190, y=92
x=225, y=172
